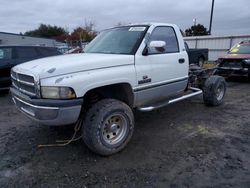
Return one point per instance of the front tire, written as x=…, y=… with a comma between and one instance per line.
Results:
x=214, y=90
x=108, y=126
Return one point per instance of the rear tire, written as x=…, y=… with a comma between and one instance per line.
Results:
x=214, y=90
x=108, y=126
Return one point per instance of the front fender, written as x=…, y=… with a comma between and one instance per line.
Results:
x=84, y=81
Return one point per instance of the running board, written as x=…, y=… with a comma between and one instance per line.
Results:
x=196, y=92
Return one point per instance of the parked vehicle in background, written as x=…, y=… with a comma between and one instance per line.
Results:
x=74, y=51
x=236, y=61
x=63, y=48
x=14, y=55
x=197, y=56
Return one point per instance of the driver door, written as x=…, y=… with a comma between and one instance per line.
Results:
x=166, y=73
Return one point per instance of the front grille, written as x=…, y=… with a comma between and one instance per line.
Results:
x=24, y=83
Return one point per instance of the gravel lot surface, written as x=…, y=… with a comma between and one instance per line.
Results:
x=182, y=145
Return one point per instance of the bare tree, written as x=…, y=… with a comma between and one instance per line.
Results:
x=89, y=25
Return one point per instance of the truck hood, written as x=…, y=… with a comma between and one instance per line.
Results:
x=65, y=64
x=235, y=56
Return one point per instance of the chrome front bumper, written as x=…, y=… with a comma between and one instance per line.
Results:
x=46, y=111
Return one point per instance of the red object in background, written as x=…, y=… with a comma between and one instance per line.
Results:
x=236, y=61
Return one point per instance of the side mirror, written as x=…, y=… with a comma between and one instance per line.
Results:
x=157, y=45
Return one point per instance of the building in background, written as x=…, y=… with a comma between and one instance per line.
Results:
x=217, y=45
x=19, y=39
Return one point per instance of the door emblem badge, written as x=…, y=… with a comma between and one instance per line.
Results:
x=145, y=79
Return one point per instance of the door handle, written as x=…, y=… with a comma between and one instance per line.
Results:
x=182, y=60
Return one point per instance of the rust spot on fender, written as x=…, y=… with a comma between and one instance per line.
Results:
x=59, y=80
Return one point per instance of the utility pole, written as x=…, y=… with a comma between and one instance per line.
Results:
x=194, y=21
x=211, y=18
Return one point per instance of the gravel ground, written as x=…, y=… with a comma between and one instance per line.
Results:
x=182, y=145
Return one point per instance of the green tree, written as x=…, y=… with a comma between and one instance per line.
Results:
x=47, y=31
x=197, y=30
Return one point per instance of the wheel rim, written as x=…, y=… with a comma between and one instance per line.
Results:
x=114, y=129
x=220, y=92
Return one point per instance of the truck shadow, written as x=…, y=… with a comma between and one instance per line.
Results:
x=4, y=93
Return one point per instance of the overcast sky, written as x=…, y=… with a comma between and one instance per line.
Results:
x=230, y=16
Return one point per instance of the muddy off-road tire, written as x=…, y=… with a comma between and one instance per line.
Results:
x=108, y=126
x=214, y=90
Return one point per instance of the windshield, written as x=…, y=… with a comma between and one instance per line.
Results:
x=120, y=40
x=240, y=49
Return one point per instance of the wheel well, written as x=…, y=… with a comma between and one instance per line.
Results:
x=122, y=92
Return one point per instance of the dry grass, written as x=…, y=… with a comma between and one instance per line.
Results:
x=209, y=65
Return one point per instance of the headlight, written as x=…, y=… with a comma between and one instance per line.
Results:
x=57, y=92
x=247, y=61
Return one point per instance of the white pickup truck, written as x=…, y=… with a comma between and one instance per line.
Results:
x=139, y=66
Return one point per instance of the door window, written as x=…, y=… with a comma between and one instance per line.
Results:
x=48, y=51
x=44, y=51
x=26, y=52
x=5, y=53
x=166, y=34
